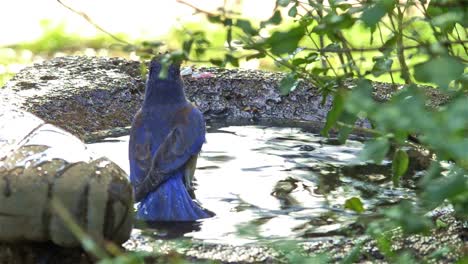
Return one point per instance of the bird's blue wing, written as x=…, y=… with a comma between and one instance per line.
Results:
x=140, y=149
x=181, y=144
x=162, y=194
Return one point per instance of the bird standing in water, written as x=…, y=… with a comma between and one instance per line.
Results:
x=165, y=139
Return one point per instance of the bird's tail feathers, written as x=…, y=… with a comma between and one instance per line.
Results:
x=171, y=202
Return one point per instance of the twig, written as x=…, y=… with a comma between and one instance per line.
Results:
x=362, y=49
x=195, y=8
x=87, y=18
x=398, y=28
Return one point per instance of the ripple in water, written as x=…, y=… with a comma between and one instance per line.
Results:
x=272, y=182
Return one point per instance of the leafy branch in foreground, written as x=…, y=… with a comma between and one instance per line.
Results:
x=405, y=42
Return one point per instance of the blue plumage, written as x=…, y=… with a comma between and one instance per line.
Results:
x=166, y=136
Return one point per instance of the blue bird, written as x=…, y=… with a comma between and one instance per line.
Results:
x=165, y=139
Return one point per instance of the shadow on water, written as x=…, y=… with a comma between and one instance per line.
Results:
x=283, y=182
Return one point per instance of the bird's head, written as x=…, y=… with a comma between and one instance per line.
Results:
x=164, y=83
x=163, y=69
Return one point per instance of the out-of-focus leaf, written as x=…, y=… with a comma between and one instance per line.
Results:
x=299, y=61
x=335, y=112
x=283, y=3
x=333, y=23
x=246, y=26
x=217, y=62
x=214, y=19
x=154, y=44
x=382, y=65
x=288, y=84
x=229, y=36
x=354, y=204
x=187, y=46
x=255, y=56
x=373, y=14
x=343, y=6
x=292, y=11
x=448, y=187
x=399, y=166
x=441, y=71
x=440, y=224
x=232, y=60
x=285, y=41
x=360, y=98
x=446, y=21
x=389, y=45
x=274, y=20
x=311, y=57
x=409, y=218
x=375, y=150
x=348, y=119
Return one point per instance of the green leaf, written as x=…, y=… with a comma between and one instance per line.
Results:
x=453, y=185
x=382, y=65
x=440, y=224
x=246, y=26
x=283, y=3
x=373, y=14
x=274, y=20
x=163, y=72
x=446, y=21
x=216, y=62
x=288, y=84
x=187, y=46
x=349, y=119
x=399, y=166
x=375, y=150
x=332, y=23
x=232, y=60
x=292, y=11
x=335, y=112
x=286, y=41
x=360, y=99
x=389, y=45
x=215, y=19
x=229, y=36
x=408, y=217
x=255, y=56
x=441, y=71
x=343, y=6
x=298, y=61
x=354, y=204
x=311, y=57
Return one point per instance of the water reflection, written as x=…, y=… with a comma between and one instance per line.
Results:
x=282, y=182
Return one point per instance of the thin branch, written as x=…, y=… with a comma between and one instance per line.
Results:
x=405, y=73
x=198, y=10
x=379, y=48
x=87, y=18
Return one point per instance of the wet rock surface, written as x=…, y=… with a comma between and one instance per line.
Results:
x=87, y=94
x=39, y=164
x=442, y=245
x=78, y=94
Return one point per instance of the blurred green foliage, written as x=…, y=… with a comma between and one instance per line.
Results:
x=55, y=40
x=406, y=42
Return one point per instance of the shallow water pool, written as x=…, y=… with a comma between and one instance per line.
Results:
x=273, y=182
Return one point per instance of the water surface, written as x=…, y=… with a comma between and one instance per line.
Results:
x=273, y=182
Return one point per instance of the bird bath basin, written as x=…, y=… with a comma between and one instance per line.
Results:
x=272, y=183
